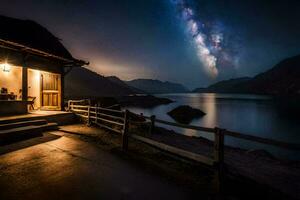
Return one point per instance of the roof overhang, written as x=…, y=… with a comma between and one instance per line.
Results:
x=31, y=51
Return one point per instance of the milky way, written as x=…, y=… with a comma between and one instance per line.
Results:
x=208, y=38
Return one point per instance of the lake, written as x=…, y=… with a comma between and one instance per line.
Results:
x=249, y=114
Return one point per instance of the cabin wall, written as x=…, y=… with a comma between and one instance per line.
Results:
x=12, y=108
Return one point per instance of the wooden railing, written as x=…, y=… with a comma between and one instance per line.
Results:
x=113, y=120
x=118, y=121
x=267, y=141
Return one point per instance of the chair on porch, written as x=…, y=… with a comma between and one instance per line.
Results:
x=30, y=102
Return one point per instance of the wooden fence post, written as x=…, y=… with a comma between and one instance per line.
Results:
x=125, y=131
x=89, y=113
x=96, y=113
x=152, y=125
x=219, y=157
x=69, y=107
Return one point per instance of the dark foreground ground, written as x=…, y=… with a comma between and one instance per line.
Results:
x=69, y=168
x=256, y=165
x=80, y=162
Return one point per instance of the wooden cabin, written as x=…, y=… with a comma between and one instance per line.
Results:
x=33, y=64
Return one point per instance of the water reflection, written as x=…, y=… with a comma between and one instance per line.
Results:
x=250, y=114
x=209, y=107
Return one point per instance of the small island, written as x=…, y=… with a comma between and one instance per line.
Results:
x=185, y=114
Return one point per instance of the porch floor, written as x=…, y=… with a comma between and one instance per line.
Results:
x=36, y=113
x=51, y=116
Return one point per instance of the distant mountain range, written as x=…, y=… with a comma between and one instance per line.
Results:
x=121, y=83
x=226, y=86
x=283, y=78
x=82, y=82
x=156, y=86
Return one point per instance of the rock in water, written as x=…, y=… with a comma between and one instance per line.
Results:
x=185, y=114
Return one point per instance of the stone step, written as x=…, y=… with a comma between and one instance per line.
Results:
x=22, y=124
x=25, y=132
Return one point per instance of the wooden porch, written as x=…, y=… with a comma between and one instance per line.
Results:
x=59, y=117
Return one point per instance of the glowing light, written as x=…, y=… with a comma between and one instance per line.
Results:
x=6, y=67
x=37, y=76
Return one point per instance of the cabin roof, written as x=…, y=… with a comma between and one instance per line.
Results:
x=32, y=36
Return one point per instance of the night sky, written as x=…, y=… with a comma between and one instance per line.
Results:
x=194, y=42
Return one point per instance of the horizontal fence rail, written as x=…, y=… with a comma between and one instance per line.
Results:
x=113, y=120
x=197, y=128
x=252, y=138
x=175, y=150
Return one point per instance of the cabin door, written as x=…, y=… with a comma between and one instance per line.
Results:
x=50, y=91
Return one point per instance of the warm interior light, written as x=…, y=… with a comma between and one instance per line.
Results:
x=6, y=67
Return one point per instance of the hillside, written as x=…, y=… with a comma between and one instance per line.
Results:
x=82, y=82
x=118, y=81
x=157, y=86
x=226, y=86
x=283, y=78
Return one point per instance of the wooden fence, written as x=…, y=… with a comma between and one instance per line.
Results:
x=113, y=120
x=118, y=121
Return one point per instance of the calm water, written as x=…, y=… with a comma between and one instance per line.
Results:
x=250, y=114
